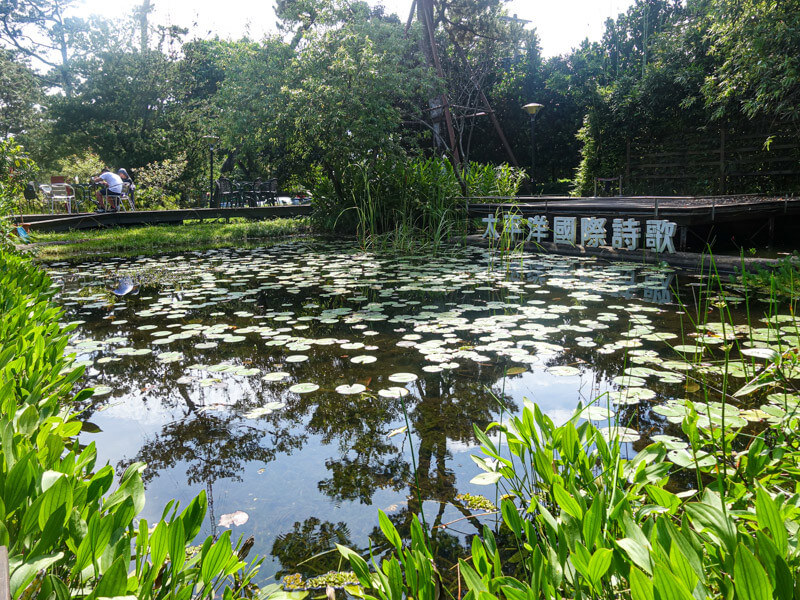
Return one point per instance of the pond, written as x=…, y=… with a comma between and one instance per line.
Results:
x=281, y=380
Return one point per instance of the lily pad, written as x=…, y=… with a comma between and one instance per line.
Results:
x=275, y=376
x=393, y=392
x=296, y=358
x=624, y=434
x=597, y=413
x=363, y=359
x=403, y=377
x=355, y=388
x=564, y=371
x=304, y=388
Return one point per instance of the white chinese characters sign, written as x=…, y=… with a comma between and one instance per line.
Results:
x=626, y=234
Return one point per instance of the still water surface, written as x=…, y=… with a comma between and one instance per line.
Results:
x=279, y=380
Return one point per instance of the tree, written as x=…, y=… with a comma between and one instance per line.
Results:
x=126, y=109
x=338, y=98
x=19, y=96
x=40, y=30
x=758, y=45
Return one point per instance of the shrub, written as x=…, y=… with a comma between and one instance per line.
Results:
x=83, y=166
x=16, y=169
x=157, y=183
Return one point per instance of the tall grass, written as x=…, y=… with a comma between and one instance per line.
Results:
x=406, y=205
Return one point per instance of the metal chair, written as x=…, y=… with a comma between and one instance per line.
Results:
x=251, y=196
x=126, y=197
x=59, y=193
x=223, y=192
x=272, y=192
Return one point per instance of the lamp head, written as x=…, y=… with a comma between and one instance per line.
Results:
x=533, y=108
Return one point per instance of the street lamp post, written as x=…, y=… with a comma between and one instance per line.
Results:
x=532, y=108
x=211, y=139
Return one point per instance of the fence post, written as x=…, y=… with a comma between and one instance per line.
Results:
x=627, y=162
x=722, y=160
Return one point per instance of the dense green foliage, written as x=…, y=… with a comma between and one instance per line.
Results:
x=69, y=530
x=16, y=169
x=585, y=522
x=706, y=90
x=405, y=203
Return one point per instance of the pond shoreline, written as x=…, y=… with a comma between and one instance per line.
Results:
x=691, y=261
x=136, y=241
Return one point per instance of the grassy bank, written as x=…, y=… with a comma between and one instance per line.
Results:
x=193, y=235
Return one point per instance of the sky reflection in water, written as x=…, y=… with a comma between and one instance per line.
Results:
x=181, y=371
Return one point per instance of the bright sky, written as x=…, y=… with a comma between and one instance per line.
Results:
x=561, y=24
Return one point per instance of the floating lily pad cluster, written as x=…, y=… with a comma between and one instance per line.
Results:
x=301, y=301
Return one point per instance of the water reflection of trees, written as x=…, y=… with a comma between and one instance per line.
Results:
x=312, y=543
x=309, y=548
x=442, y=408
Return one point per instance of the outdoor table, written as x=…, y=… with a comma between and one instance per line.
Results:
x=84, y=194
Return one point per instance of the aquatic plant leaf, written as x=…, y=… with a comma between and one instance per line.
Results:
x=393, y=392
x=564, y=371
x=402, y=377
x=624, y=434
x=304, y=388
x=596, y=413
x=275, y=376
x=486, y=478
x=363, y=359
x=683, y=458
x=761, y=353
x=397, y=431
x=355, y=388
x=749, y=577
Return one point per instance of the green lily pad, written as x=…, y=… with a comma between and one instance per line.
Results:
x=403, y=377
x=304, y=388
x=393, y=392
x=275, y=376
x=363, y=359
x=355, y=388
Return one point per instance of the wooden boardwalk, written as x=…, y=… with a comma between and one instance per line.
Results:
x=66, y=222
x=699, y=216
x=687, y=210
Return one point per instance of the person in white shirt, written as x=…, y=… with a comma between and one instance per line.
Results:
x=111, y=190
